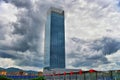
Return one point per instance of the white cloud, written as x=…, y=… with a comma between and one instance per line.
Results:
x=7, y=13
x=90, y=19
x=6, y=62
x=8, y=16
x=114, y=58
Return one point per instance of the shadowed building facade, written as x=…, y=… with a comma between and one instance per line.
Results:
x=54, y=40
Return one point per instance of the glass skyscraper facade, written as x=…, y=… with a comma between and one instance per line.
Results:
x=54, y=40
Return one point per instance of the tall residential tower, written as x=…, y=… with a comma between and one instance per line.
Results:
x=54, y=40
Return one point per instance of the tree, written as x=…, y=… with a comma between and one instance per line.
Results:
x=39, y=78
x=4, y=78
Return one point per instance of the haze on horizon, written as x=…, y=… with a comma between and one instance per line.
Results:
x=92, y=33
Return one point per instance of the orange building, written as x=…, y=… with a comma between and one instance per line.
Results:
x=3, y=72
x=40, y=73
x=22, y=73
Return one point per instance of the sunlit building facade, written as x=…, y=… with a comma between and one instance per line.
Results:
x=54, y=40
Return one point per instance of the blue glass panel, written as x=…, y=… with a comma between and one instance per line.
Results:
x=54, y=41
x=57, y=46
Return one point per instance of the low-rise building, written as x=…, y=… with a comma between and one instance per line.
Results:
x=40, y=73
x=3, y=72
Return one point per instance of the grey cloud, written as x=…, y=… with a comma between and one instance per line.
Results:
x=20, y=3
x=1, y=33
x=108, y=46
x=30, y=60
x=94, y=53
x=118, y=3
x=77, y=40
x=6, y=1
x=34, y=62
x=30, y=27
x=102, y=3
x=6, y=55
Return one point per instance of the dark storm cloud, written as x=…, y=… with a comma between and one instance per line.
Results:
x=31, y=27
x=94, y=52
x=108, y=46
x=6, y=55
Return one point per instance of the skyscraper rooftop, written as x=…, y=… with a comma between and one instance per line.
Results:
x=56, y=10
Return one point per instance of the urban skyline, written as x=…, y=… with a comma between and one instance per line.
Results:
x=92, y=33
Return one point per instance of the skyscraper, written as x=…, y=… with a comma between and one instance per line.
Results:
x=54, y=40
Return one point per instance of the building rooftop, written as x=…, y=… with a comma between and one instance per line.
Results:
x=56, y=10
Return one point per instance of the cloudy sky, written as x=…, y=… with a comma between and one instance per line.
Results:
x=92, y=33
